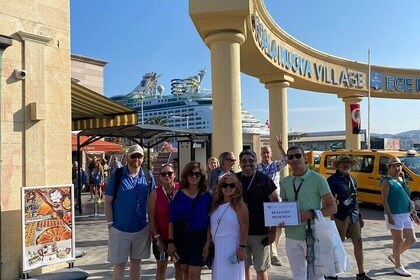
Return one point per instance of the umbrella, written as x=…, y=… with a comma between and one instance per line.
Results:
x=310, y=252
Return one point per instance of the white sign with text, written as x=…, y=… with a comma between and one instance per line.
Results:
x=281, y=212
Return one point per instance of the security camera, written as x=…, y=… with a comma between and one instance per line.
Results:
x=20, y=74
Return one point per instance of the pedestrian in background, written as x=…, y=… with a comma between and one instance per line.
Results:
x=227, y=161
x=114, y=165
x=189, y=220
x=126, y=215
x=229, y=229
x=212, y=163
x=273, y=168
x=98, y=180
x=396, y=202
x=348, y=219
x=159, y=204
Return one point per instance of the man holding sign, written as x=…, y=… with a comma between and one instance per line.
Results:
x=311, y=190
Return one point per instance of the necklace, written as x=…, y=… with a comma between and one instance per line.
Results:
x=252, y=179
x=169, y=195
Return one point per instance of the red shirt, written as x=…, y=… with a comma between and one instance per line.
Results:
x=162, y=210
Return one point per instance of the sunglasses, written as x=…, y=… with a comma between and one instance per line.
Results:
x=164, y=174
x=297, y=156
x=226, y=185
x=134, y=156
x=194, y=174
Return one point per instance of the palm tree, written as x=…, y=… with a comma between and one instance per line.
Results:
x=157, y=121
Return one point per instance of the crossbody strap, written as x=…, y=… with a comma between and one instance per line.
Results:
x=220, y=219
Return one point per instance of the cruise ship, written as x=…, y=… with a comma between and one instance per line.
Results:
x=188, y=105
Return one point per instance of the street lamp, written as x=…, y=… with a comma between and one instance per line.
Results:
x=186, y=117
x=142, y=114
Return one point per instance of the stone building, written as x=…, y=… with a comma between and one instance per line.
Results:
x=35, y=112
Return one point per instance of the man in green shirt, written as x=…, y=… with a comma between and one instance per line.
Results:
x=313, y=193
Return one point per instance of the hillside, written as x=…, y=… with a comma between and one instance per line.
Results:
x=407, y=138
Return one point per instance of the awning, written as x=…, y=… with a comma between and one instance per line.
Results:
x=98, y=145
x=93, y=110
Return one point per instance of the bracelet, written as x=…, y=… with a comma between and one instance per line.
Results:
x=207, y=243
x=170, y=241
x=242, y=246
x=110, y=223
x=156, y=236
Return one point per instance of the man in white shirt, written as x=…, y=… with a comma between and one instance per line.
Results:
x=273, y=169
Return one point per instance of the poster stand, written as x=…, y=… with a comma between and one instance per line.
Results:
x=48, y=235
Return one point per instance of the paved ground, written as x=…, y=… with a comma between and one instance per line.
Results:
x=92, y=235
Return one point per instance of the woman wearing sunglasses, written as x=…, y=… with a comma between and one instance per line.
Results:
x=229, y=229
x=159, y=203
x=189, y=220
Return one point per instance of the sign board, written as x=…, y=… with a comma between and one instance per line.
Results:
x=47, y=226
x=281, y=212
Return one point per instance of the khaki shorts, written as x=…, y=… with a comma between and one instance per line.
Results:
x=257, y=254
x=122, y=245
x=348, y=230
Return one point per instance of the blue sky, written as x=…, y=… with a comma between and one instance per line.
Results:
x=137, y=37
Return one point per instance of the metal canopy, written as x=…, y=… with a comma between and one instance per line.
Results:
x=147, y=135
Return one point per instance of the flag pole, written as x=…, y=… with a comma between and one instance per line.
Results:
x=368, y=85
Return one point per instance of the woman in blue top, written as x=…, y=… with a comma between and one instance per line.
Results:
x=396, y=202
x=189, y=220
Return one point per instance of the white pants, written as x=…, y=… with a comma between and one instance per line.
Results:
x=296, y=252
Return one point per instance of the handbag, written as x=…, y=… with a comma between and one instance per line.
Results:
x=330, y=254
x=210, y=257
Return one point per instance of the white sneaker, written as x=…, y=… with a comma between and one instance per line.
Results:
x=402, y=271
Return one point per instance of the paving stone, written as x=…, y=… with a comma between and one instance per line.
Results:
x=92, y=238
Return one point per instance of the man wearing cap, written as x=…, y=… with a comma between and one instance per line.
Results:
x=273, y=169
x=311, y=190
x=348, y=218
x=126, y=215
x=257, y=189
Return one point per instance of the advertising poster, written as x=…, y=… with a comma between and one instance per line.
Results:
x=356, y=119
x=48, y=226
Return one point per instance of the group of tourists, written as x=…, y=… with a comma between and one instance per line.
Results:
x=213, y=216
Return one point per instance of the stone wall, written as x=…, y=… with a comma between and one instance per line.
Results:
x=88, y=72
x=35, y=113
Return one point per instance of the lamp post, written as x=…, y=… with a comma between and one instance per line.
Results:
x=142, y=114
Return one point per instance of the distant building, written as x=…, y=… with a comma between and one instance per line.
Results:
x=322, y=141
x=330, y=140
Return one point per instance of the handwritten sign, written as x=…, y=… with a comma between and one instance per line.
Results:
x=278, y=212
